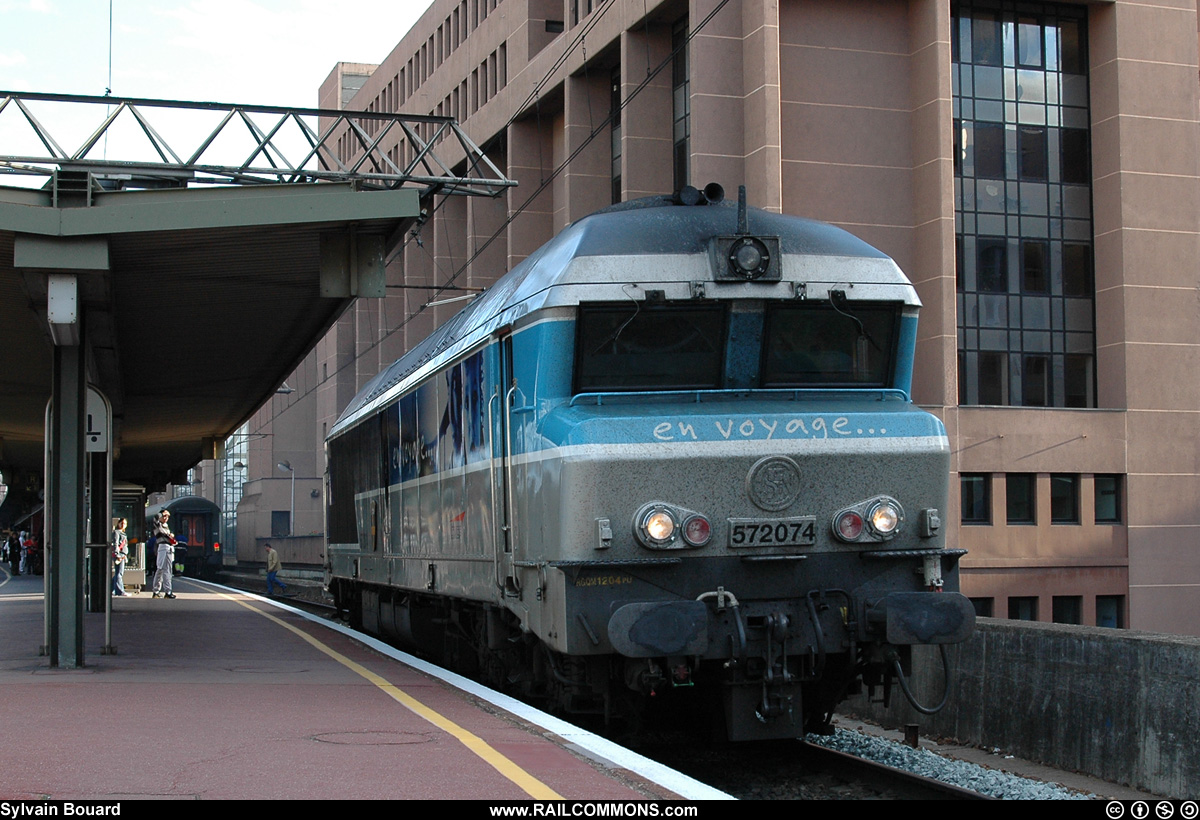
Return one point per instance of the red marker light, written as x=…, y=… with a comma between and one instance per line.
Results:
x=849, y=526
x=697, y=531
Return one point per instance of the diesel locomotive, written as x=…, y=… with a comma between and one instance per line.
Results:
x=670, y=457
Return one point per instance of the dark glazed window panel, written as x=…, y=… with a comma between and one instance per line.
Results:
x=976, y=498
x=1068, y=609
x=1035, y=381
x=1077, y=380
x=991, y=267
x=1077, y=270
x=958, y=263
x=993, y=376
x=1021, y=490
x=1023, y=609
x=989, y=150
x=814, y=345
x=1034, y=162
x=1071, y=57
x=1108, y=499
x=1076, y=162
x=1110, y=611
x=985, y=38
x=1064, y=499
x=983, y=607
x=635, y=346
x=962, y=378
x=281, y=523
x=1034, y=255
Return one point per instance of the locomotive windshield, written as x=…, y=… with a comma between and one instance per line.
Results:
x=637, y=346
x=828, y=344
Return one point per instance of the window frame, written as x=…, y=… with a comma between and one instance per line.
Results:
x=647, y=308
x=986, y=484
x=1056, y=480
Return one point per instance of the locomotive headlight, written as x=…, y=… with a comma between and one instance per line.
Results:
x=876, y=519
x=885, y=518
x=749, y=258
x=659, y=526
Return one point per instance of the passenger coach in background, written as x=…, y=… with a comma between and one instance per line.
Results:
x=671, y=453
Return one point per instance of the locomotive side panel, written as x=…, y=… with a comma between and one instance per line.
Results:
x=423, y=481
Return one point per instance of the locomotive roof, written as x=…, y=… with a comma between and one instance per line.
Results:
x=568, y=269
x=184, y=504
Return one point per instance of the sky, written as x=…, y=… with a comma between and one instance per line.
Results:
x=265, y=52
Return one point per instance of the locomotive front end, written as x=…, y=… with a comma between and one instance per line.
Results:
x=747, y=500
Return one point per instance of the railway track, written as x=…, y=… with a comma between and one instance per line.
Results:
x=793, y=770
x=893, y=782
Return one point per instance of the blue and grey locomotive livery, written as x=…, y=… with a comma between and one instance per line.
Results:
x=672, y=454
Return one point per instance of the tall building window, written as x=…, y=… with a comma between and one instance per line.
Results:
x=1067, y=609
x=984, y=607
x=1026, y=313
x=1110, y=611
x=615, y=108
x=1023, y=609
x=1108, y=499
x=976, y=498
x=681, y=103
x=1064, y=499
x=1021, y=491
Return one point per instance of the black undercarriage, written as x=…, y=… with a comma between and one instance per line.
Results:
x=759, y=692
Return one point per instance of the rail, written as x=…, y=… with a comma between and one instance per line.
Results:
x=277, y=145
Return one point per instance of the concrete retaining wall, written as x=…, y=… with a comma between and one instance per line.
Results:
x=1117, y=704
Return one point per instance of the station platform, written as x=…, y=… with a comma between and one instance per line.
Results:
x=220, y=694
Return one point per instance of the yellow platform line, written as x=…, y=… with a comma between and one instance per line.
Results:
x=530, y=784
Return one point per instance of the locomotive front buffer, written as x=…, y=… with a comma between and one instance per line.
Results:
x=777, y=660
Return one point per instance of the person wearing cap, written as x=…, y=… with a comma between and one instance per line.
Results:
x=166, y=556
x=273, y=567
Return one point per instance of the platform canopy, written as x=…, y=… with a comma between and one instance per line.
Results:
x=201, y=283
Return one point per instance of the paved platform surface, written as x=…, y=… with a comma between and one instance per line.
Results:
x=219, y=695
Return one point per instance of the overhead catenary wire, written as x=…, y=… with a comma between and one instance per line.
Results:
x=549, y=179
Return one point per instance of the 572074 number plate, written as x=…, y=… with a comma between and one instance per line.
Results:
x=800, y=531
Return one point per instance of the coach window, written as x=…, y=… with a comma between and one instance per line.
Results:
x=976, y=498
x=635, y=346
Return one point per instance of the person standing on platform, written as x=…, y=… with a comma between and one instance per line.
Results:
x=166, y=556
x=120, y=556
x=273, y=566
x=14, y=553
